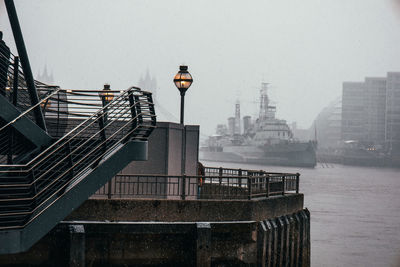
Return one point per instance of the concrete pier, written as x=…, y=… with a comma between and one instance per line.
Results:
x=178, y=235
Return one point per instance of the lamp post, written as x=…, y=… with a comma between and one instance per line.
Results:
x=106, y=97
x=183, y=80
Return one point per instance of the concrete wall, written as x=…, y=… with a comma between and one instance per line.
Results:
x=279, y=241
x=165, y=151
x=187, y=210
x=165, y=146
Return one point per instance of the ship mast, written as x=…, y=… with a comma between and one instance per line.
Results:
x=237, y=118
x=264, y=102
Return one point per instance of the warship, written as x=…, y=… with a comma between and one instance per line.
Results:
x=265, y=141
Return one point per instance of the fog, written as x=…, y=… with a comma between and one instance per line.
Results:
x=304, y=49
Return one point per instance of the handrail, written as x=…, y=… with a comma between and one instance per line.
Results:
x=67, y=135
x=243, y=171
x=198, y=186
x=29, y=110
x=85, y=149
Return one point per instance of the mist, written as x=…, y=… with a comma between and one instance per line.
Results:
x=304, y=49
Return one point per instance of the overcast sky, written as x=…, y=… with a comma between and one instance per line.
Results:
x=305, y=49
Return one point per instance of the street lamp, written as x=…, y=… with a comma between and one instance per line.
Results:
x=106, y=97
x=183, y=80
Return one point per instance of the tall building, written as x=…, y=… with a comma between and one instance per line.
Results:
x=353, y=111
x=375, y=109
x=393, y=111
x=370, y=111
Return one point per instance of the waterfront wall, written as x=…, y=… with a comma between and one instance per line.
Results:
x=279, y=241
x=187, y=210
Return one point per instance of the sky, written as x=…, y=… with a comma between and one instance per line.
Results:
x=304, y=49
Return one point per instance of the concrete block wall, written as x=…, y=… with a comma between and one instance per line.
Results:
x=278, y=241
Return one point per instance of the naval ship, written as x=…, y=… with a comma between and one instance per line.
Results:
x=265, y=141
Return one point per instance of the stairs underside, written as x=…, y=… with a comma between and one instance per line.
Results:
x=19, y=240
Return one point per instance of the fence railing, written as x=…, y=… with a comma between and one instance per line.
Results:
x=231, y=184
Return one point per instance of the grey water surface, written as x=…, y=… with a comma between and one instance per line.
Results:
x=355, y=213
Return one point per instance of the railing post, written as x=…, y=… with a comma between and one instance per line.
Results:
x=15, y=82
x=283, y=184
x=138, y=109
x=220, y=175
x=152, y=111
x=240, y=179
x=13, y=99
x=133, y=109
x=183, y=189
x=297, y=182
x=109, y=188
x=268, y=185
x=249, y=187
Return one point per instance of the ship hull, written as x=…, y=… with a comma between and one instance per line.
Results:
x=281, y=156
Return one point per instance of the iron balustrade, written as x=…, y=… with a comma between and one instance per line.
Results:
x=31, y=186
x=229, y=185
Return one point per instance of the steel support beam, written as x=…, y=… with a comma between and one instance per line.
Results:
x=26, y=67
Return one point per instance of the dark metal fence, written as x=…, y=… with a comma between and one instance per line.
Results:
x=227, y=184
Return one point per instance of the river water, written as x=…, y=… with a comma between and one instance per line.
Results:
x=355, y=213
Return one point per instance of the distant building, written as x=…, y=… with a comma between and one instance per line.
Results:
x=393, y=111
x=45, y=77
x=371, y=113
x=363, y=111
x=353, y=111
x=326, y=128
x=148, y=83
x=375, y=102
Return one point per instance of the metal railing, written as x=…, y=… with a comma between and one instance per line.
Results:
x=27, y=189
x=14, y=86
x=231, y=184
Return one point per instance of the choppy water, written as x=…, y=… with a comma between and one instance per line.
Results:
x=355, y=213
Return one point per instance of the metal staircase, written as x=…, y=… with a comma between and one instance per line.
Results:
x=46, y=173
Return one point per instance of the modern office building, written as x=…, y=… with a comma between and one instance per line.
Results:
x=375, y=110
x=370, y=111
x=393, y=111
x=353, y=111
